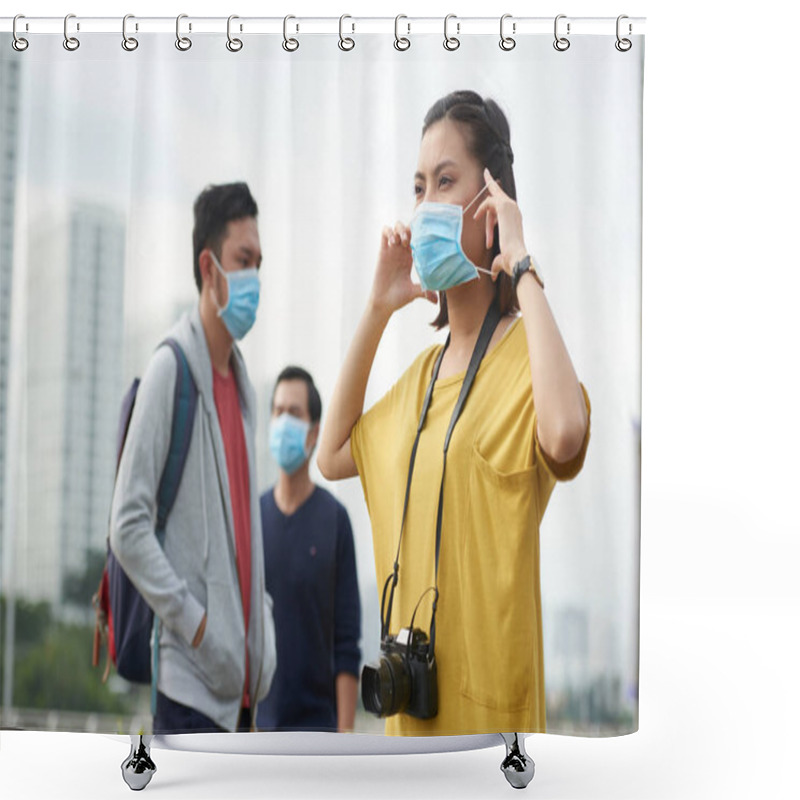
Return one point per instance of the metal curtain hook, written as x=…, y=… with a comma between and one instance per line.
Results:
x=623, y=45
x=129, y=43
x=451, y=42
x=401, y=43
x=290, y=45
x=345, y=42
x=182, y=42
x=234, y=45
x=561, y=43
x=18, y=43
x=70, y=42
x=507, y=42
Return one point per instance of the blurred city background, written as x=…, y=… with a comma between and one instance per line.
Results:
x=98, y=172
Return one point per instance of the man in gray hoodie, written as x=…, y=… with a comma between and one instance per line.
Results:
x=206, y=586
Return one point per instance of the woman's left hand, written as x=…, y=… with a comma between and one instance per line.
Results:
x=499, y=209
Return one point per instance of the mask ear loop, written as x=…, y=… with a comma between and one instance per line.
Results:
x=220, y=311
x=471, y=202
x=466, y=208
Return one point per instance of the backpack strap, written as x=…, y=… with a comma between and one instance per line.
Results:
x=124, y=421
x=183, y=411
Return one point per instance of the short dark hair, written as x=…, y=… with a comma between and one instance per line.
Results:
x=488, y=138
x=214, y=208
x=293, y=373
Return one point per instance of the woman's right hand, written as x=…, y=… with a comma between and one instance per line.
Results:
x=392, y=287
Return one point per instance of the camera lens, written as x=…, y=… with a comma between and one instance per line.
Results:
x=386, y=688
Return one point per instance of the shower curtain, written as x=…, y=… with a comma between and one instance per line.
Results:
x=104, y=151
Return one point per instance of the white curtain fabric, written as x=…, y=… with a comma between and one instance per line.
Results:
x=111, y=149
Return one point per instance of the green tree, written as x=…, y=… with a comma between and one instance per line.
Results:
x=58, y=674
x=53, y=665
x=31, y=621
x=80, y=586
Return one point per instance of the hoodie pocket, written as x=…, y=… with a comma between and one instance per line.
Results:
x=220, y=655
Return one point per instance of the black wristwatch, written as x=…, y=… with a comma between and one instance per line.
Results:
x=520, y=268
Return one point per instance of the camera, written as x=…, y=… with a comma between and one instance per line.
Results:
x=404, y=679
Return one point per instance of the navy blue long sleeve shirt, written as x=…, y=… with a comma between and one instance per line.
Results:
x=310, y=571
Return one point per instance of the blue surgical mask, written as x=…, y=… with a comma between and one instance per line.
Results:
x=287, y=442
x=244, y=287
x=439, y=258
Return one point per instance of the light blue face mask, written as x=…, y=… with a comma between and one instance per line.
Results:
x=244, y=288
x=287, y=442
x=439, y=258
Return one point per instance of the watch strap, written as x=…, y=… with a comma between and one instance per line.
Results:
x=521, y=267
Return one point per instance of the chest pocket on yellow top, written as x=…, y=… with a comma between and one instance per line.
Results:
x=500, y=589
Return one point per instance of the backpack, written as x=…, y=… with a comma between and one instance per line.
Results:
x=123, y=618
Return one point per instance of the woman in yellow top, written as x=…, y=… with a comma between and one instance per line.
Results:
x=525, y=425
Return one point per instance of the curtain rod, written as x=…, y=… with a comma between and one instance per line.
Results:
x=349, y=25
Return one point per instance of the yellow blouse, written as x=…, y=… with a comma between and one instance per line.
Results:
x=498, y=482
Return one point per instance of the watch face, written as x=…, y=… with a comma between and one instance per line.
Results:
x=523, y=265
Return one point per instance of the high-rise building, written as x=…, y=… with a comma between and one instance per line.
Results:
x=73, y=388
x=567, y=651
x=9, y=124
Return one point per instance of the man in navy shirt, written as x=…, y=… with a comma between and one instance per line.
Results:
x=310, y=571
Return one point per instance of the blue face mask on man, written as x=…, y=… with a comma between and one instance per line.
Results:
x=439, y=259
x=244, y=289
x=287, y=442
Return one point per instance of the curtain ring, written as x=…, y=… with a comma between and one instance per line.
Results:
x=623, y=45
x=507, y=42
x=70, y=42
x=345, y=42
x=289, y=45
x=451, y=42
x=129, y=43
x=401, y=43
x=234, y=45
x=18, y=43
x=183, y=43
x=561, y=43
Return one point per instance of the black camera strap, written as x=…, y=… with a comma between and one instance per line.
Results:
x=484, y=337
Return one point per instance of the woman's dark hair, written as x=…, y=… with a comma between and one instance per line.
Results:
x=214, y=208
x=488, y=138
x=293, y=373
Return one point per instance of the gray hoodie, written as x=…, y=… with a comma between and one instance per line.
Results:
x=196, y=572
